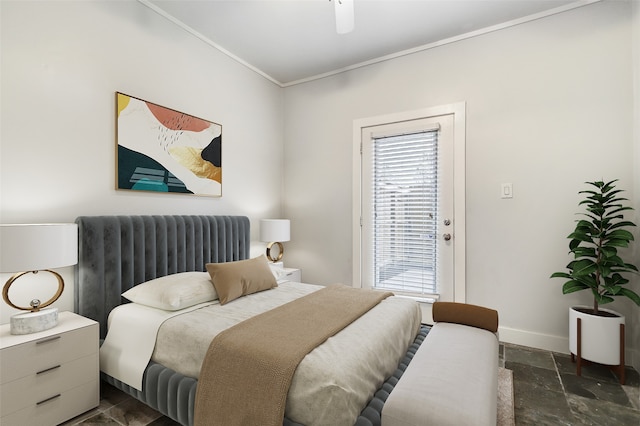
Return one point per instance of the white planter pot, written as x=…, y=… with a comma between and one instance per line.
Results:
x=600, y=335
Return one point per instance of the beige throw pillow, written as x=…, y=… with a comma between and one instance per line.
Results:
x=235, y=279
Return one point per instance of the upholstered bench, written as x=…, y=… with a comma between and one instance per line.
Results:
x=453, y=377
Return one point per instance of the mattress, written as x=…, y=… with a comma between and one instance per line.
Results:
x=343, y=373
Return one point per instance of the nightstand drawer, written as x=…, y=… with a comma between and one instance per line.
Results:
x=290, y=274
x=55, y=380
x=29, y=358
x=56, y=410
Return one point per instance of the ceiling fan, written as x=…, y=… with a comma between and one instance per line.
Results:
x=344, y=16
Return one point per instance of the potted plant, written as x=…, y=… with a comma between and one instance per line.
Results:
x=598, y=267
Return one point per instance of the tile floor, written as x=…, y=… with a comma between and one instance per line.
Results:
x=547, y=391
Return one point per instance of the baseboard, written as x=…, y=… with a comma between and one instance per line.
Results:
x=554, y=343
x=534, y=340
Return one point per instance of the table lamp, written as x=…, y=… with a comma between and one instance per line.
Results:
x=31, y=248
x=275, y=231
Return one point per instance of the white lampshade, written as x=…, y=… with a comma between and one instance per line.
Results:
x=34, y=247
x=275, y=230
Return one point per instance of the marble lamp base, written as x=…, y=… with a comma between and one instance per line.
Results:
x=32, y=322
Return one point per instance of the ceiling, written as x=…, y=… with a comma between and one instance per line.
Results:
x=291, y=41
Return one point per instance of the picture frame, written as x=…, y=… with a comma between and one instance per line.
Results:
x=159, y=149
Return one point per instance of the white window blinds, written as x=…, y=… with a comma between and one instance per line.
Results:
x=405, y=197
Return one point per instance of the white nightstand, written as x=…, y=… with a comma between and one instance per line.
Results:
x=51, y=376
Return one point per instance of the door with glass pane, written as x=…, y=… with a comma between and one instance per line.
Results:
x=407, y=207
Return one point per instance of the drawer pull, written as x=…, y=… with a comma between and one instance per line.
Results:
x=48, y=399
x=48, y=369
x=50, y=339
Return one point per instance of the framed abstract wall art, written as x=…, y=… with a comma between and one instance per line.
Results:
x=163, y=150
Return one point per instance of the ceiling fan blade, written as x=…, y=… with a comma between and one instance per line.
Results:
x=344, y=16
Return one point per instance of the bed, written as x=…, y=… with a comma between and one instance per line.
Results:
x=118, y=253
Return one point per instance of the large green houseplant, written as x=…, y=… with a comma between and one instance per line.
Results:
x=594, y=244
x=597, y=334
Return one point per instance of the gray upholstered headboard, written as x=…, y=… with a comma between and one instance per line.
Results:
x=116, y=253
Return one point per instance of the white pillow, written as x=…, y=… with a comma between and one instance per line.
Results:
x=174, y=292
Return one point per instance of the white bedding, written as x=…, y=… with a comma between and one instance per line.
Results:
x=128, y=346
x=343, y=373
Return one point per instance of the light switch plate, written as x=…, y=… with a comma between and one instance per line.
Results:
x=506, y=190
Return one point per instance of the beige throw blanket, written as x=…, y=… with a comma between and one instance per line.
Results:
x=248, y=368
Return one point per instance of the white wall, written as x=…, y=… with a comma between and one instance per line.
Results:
x=62, y=63
x=549, y=106
x=635, y=316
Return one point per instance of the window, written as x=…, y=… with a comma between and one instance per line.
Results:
x=405, y=211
